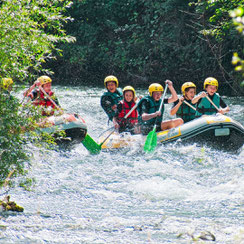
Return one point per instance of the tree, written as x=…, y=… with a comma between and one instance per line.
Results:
x=29, y=34
x=238, y=19
x=215, y=26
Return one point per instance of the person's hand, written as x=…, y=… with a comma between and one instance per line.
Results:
x=30, y=95
x=181, y=100
x=158, y=113
x=221, y=111
x=37, y=83
x=114, y=107
x=203, y=94
x=116, y=125
x=169, y=82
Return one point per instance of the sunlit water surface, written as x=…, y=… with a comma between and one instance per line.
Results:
x=174, y=195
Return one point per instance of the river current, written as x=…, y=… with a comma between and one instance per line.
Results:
x=178, y=194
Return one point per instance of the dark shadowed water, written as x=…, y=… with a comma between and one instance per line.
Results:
x=170, y=196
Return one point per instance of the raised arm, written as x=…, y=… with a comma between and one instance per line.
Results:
x=173, y=96
x=199, y=96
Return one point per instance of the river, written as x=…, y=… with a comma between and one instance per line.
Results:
x=173, y=195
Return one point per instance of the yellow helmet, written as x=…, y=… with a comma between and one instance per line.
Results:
x=44, y=79
x=5, y=83
x=187, y=85
x=210, y=81
x=129, y=88
x=111, y=78
x=155, y=87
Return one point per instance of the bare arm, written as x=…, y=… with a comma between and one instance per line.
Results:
x=28, y=93
x=173, y=96
x=146, y=116
x=196, y=99
x=177, y=106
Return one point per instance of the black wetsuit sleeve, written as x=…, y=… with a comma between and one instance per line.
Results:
x=166, y=100
x=107, y=103
x=144, y=107
x=222, y=103
x=175, y=103
x=118, y=110
x=34, y=93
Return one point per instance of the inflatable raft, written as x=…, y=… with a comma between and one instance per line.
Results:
x=74, y=126
x=218, y=131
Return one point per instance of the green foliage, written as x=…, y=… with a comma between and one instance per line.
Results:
x=148, y=41
x=12, y=154
x=29, y=32
x=238, y=19
x=216, y=27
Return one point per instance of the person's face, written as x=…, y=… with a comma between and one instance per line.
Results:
x=128, y=96
x=157, y=95
x=111, y=86
x=190, y=93
x=211, y=89
x=47, y=87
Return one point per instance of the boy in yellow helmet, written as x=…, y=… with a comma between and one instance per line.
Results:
x=185, y=110
x=204, y=106
x=149, y=106
x=112, y=96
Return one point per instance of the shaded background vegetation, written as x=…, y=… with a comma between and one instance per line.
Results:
x=139, y=41
x=148, y=41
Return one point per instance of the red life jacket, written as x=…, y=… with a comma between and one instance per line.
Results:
x=132, y=118
x=45, y=102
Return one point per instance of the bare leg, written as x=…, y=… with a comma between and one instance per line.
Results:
x=168, y=124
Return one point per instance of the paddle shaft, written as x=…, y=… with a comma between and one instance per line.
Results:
x=161, y=105
x=55, y=104
x=212, y=102
x=132, y=109
x=189, y=105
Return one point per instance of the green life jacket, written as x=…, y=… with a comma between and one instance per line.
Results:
x=205, y=107
x=152, y=108
x=185, y=112
x=116, y=96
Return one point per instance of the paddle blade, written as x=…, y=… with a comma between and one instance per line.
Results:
x=151, y=141
x=91, y=145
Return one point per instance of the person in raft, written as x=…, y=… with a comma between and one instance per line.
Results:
x=46, y=101
x=204, y=106
x=111, y=98
x=129, y=124
x=183, y=108
x=149, y=106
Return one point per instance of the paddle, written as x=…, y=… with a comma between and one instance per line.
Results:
x=55, y=104
x=189, y=105
x=95, y=148
x=212, y=102
x=151, y=141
